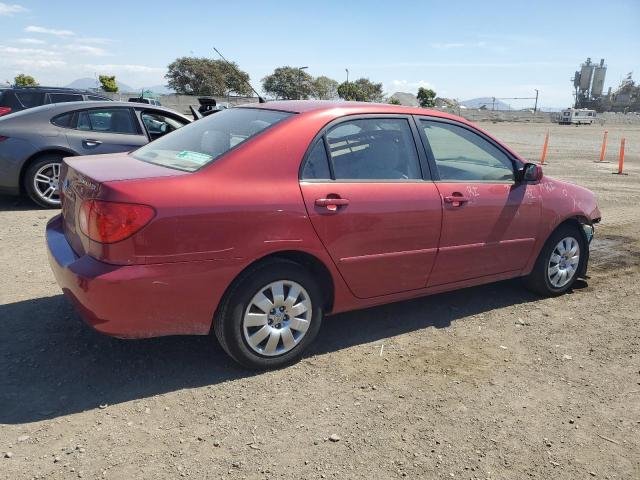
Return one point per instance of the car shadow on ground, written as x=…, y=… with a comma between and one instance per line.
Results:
x=52, y=365
x=15, y=203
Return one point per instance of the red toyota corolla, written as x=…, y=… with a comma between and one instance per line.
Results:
x=255, y=222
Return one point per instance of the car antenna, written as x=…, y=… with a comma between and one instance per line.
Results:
x=260, y=99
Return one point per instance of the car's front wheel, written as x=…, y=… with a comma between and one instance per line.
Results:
x=42, y=179
x=559, y=263
x=270, y=315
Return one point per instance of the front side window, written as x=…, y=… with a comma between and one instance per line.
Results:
x=107, y=120
x=373, y=149
x=462, y=155
x=202, y=142
x=158, y=124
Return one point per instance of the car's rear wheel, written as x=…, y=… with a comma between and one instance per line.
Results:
x=270, y=315
x=42, y=179
x=559, y=263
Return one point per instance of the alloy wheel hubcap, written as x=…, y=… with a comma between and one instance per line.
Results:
x=564, y=262
x=277, y=318
x=46, y=183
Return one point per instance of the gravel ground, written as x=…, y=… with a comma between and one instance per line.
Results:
x=488, y=382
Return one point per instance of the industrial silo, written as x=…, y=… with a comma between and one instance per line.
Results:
x=598, y=79
x=586, y=72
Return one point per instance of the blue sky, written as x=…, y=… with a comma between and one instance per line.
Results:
x=462, y=49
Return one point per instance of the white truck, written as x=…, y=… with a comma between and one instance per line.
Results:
x=577, y=116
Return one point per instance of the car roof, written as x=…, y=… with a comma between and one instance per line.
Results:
x=52, y=89
x=342, y=108
x=332, y=110
x=58, y=108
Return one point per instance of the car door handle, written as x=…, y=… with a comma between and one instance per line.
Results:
x=91, y=143
x=332, y=204
x=455, y=200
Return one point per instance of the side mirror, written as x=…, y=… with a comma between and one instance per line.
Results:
x=531, y=172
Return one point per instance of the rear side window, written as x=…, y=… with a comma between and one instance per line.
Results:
x=63, y=120
x=65, y=97
x=317, y=166
x=97, y=99
x=30, y=99
x=116, y=120
x=202, y=142
x=373, y=149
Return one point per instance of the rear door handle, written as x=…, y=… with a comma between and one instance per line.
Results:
x=455, y=200
x=331, y=204
x=91, y=143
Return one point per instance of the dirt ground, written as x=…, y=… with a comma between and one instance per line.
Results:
x=490, y=382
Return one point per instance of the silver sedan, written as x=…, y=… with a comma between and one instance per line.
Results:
x=33, y=142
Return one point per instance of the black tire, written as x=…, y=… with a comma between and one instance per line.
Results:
x=538, y=280
x=29, y=179
x=227, y=324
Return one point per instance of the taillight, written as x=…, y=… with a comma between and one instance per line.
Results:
x=2, y=139
x=109, y=222
x=4, y=110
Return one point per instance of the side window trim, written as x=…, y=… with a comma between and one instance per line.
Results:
x=426, y=170
x=327, y=149
x=429, y=153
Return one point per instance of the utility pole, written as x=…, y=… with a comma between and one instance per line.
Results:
x=300, y=82
x=348, y=87
x=535, y=107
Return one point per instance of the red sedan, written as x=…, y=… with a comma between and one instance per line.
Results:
x=255, y=222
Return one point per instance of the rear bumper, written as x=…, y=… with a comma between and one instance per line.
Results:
x=138, y=301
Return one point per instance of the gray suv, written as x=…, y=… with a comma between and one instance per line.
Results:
x=15, y=99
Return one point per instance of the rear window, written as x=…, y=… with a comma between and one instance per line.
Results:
x=65, y=97
x=202, y=142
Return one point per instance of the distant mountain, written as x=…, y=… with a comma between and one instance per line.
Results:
x=487, y=103
x=88, y=82
x=406, y=99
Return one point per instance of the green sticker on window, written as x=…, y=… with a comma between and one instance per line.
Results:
x=195, y=157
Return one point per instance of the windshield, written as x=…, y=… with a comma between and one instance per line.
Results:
x=202, y=142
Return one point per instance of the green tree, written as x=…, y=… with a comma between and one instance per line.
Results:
x=108, y=83
x=288, y=83
x=362, y=90
x=23, y=80
x=203, y=76
x=426, y=97
x=394, y=101
x=235, y=80
x=324, y=88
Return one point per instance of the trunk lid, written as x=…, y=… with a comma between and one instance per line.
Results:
x=89, y=177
